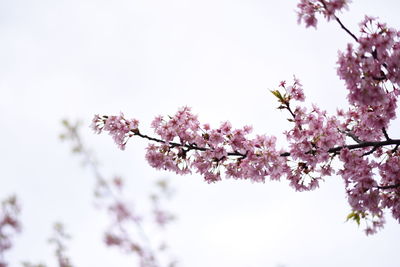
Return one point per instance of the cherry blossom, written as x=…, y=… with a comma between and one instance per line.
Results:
x=9, y=225
x=309, y=8
x=58, y=239
x=127, y=229
x=355, y=139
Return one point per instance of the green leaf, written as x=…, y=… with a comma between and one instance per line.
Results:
x=355, y=216
x=278, y=95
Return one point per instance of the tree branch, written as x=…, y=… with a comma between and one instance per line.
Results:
x=366, y=144
x=374, y=144
x=346, y=30
x=187, y=146
x=385, y=134
x=341, y=24
x=388, y=186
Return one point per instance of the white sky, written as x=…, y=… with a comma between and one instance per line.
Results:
x=72, y=59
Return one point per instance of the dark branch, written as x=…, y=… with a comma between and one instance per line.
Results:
x=346, y=30
x=366, y=144
x=389, y=186
x=385, y=134
x=395, y=148
x=187, y=146
x=370, y=152
x=341, y=24
x=290, y=110
x=375, y=145
x=334, y=150
x=351, y=135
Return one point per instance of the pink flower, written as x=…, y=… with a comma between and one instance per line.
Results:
x=307, y=9
x=355, y=137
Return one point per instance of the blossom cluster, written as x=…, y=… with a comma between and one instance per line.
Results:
x=58, y=239
x=123, y=217
x=372, y=77
x=355, y=138
x=309, y=8
x=390, y=174
x=371, y=74
x=9, y=225
x=184, y=145
x=127, y=230
x=314, y=141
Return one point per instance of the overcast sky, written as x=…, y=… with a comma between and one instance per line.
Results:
x=73, y=59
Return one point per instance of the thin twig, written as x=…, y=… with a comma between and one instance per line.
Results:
x=385, y=134
x=388, y=186
x=351, y=135
x=366, y=144
x=290, y=110
x=92, y=162
x=340, y=23
x=187, y=146
x=370, y=152
x=346, y=30
x=395, y=148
